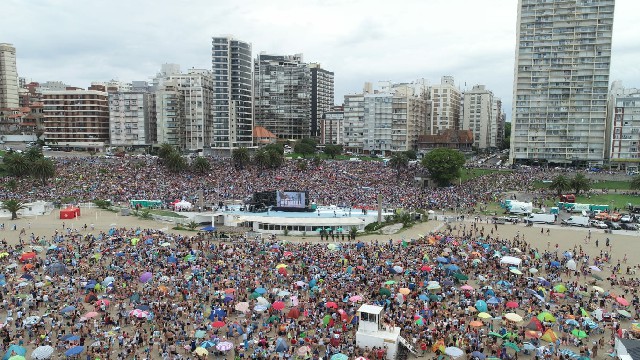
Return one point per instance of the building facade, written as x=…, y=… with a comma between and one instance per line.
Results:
x=232, y=93
x=353, y=123
x=76, y=118
x=497, y=124
x=561, y=81
x=169, y=113
x=129, y=119
x=625, y=132
x=331, y=126
x=282, y=95
x=444, y=108
x=322, y=95
x=8, y=77
x=478, y=116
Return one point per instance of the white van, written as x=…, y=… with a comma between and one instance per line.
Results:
x=577, y=221
x=541, y=219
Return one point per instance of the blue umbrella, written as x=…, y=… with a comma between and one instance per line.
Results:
x=148, y=241
x=66, y=337
x=90, y=285
x=490, y=292
x=68, y=309
x=493, y=300
x=555, y=264
x=453, y=268
x=73, y=338
x=481, y=305
x=503, y=283
x=261, y=290
x=143, y=307
x=207, y=344
x=443, y=260
x=479, y=355
x=339, y=356
x=19, y=350
x=209, y=228
x=76, y=350
x=172, y=259
x=423, y=297
x=119, y=254
x=571, y=322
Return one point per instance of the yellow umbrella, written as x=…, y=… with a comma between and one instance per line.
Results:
x=201, y=351
x=4, y=254
x=134, y=241
x=279, y=266
x=513, y=317
x=516, y=271
x=484, y=315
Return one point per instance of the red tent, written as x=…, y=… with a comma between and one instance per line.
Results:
x=69, y=213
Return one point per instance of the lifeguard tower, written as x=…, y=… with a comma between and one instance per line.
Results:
x=371, y=332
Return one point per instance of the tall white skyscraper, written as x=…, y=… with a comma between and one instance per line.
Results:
x=478, y=115
x=561, y=81
x=232, y=93
x=444, y=112
x=8, y=77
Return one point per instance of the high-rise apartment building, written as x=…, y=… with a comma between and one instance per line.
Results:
x=129, y=119
x=353, y=123
x=232, y=93
x=76, y=118
x=282, y=95
x=8, y=77
x=497, y=125
x=478, y=115
x=322, y=95
x=332, y=125
x=444, y=111
x=623, y=137
x=169, y=110
x=561, y=81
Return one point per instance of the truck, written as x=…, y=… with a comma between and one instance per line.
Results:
x=568, y=198
x=595, y=207
x=519, y=207
x=578, y=208
x=541, y=219
x=577, y=221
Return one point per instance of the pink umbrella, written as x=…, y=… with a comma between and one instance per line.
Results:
x=104, y=302
x=278, y=305
x=145, y=276
x=138, y=313
x=355, y=298
x=466, y=287
x=90, y=314
x=622, y=301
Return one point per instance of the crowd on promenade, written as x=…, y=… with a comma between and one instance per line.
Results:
x=145, y=294
x=346, y=183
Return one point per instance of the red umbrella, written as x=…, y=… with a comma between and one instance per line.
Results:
x=425, y=268
x=287, y=253
x=331, y=305
x=218, y=324
x=512, y=304
x=343, y=315
x=229, y=291
x=278, y=305
x=27, y=256
x=293, y=313
x=282, y=271
x=622, y=301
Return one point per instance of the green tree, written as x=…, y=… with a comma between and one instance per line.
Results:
x=333, y=150
x=506, y=141
x=12, y=206
x=43, y=170
x=580, y=183
x=444, y=165
x=560, y=184
x=165, y=150
x=352, y=232
x=276, y=158
x=635, y=183
x=301, y=165
x=175, y=162
x=262, y=159
x=274, y=147
x=240, y=157
x=33, y=153
x=200, y=165
x=411, y=154
x=399, y=161
x=304, y=149
x=16, y=164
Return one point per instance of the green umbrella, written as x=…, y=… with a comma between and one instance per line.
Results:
x=390, y=282
x=546, y=316
x=584, y=312
x=509, y=344
x=624, y=313
x=461, y=276
x=326, y=319
x=580, y=334
x=434, y=297
x=597, y=277
x=385, y=292
x=509, y=335
x=495, y=334
x=560, y=288
x=254, y=296
x=273, y=318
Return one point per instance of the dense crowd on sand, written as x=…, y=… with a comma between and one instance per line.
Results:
x=145, y=294
x=345, y=183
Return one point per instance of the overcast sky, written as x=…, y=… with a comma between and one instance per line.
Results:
x=78, y=42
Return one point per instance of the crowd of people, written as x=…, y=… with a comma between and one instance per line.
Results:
x=342, y=183
x=145, y=294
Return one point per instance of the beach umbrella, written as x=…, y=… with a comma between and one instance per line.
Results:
x=425, y=268
x=484, y=315
x=145, y=276
x=404, y=291
x=303, y=351
x=42, y=352
x=260, y=308
x=476, y=323
x=17, y=357
x=478, y=355
x=332, y=247
x=560, y=288
x=598, y=289
x=278, y=305
x=571, y=265
x=571, y=322
x=434, y=286
x=138, y=313
x=279, y=266
x=513, y=317
x=32, y=320
x=442, y=260
x=597, y=277
x=76, y=350
x=56, y=269
x=224, y=346
x=200, y=334
x=533, y=270
x=549, y=336
x=515, y=271
x=481, y=305
x=293, y=313
x=331, y=305
x=207, y=344
x=580, y=334
x=27, y=256
x=461, y=276
x=260, y=290
x=384, y=292
x=511, y=304
x=218, y=324
x=200, y=351
x=595, y=268
x=390, y=282
x=546, y=316
x=555, y=264
x=143, y=307
x=242, y=306
x=453, y=351
x=72, y=338
x=622, y=301
x=355, y=298
x=105, y=302
x=68, y=309
x=466, y=287
x=511, y=345
x=624, y=313
x=18, y=350
x=90, y=315
x=339, y=356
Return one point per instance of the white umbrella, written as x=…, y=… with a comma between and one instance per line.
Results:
x=42, y=352
x=12, y=266
x=533, y=270
x=32, y=320
x=224, y=346
x=453, y=351
x=594, y=268
x=263, y=301
x=571, y=265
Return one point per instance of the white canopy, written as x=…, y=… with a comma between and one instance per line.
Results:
x=511, y=260
x=183, y=205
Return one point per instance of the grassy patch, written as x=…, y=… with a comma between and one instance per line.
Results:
x=469, y=174
x=606, y=184
x=166, y=213
x=619, y=201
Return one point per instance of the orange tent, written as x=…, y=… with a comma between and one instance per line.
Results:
x=549, y=336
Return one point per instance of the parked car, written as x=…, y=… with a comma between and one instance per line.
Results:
x=613, y=225
x=626, y=218
x=629, y=226
x=598, y=224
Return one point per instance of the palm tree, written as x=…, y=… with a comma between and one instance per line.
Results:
x=12, y=206
x=175, y=162
x=399, y=161
x=276, y=158
x=560, y=184
x=43, y=169
x=580, y=183
x=201, y=165
x=240, y=157
x=165, y=150
x=16, y=164
x=261, y=159
x=635, y=183
x=34, y=153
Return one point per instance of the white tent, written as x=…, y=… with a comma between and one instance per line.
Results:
x=510, y=260
x=183, y=205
